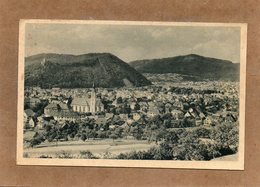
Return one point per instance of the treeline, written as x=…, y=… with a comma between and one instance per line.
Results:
x=178, y=144
x=151, y=130
x=198, y=144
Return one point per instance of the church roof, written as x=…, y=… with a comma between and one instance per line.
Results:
x=63, y=106
x=81, y=101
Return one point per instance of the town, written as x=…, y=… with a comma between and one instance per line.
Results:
x=134, y=113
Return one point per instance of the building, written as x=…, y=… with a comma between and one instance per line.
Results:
x=124, y=117
x=59, y=111
x=87, y=105
x=28, y=118
x=43, y=121
x=32, y=102
x=136, y=116
x=177, y=114
x=53, y=108
x=153, y=112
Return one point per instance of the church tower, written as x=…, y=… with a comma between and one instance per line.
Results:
x=93, y=100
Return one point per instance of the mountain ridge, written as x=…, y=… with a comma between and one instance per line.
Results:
x=70, y=71
x=192, y=64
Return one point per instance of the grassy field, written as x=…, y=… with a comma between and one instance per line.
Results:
x=97, y=147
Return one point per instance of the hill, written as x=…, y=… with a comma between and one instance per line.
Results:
x=192, y=66
x=80, y=71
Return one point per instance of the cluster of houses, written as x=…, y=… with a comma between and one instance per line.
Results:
x=129, y=105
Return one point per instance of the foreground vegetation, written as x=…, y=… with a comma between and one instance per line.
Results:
x=197, y=143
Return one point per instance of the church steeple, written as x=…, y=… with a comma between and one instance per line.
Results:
x=93, y=99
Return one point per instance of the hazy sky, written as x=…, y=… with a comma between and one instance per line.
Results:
x=133, y=42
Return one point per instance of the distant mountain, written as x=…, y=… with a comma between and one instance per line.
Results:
x=80, y=71
x=195, y=66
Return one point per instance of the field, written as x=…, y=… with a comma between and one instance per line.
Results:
x=97, y=147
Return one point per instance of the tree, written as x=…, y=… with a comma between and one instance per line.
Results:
x=83, y=137
x=101, y=134
x=137, y=131
x=37, y=139
x=137, y=107
x=87, y=155
x=39, y=108
x=113, y=136
x=119, y=100
x=171, y=137
x=160, y=134
x=202, y=132
x=118, y=132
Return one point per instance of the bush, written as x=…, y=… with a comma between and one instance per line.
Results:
x=36, y=141
x=45, y=156
x=107, y=155
x=83, y=137
x=87, y=155
x=63, y=155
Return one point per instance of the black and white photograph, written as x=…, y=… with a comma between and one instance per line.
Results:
x=131, y=94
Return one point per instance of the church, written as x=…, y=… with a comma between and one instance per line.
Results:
x=86, y=105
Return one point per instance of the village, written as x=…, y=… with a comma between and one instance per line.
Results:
x=203, y=104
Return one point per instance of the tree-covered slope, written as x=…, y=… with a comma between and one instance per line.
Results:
x=79, y=71
x=192, y=65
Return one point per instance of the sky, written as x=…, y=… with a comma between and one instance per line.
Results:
x=133, y=42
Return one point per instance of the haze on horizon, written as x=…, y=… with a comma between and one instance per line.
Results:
x=133, y=42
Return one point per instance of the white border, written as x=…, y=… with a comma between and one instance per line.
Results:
x=229, y=165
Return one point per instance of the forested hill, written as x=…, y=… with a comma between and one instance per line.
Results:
x=192, y=65
x=80, y=71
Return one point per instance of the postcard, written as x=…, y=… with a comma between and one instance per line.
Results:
x=131, y=94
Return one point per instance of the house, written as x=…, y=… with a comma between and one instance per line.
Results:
x=60, y=112
x=109, y=115
x=136, y=116
x=177, y=114
x=32, y=102
x=132, y=105
x=188, y=115
x=153, y=112
x=43, y=121
x=125, y=125
x=112, y=126
x=28, y=113
x=201, y=115
x=231, y=117
x=53, y=108
x=209, y=121
x=124, y=117
x=68, y=116
x=28, y=118
x=129, y=121
x=198, y=122
x=143, y=106
x=31, y=123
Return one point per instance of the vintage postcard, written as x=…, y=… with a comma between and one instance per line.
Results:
x=131, y=94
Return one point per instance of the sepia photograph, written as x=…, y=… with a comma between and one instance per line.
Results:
x=131, y=94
